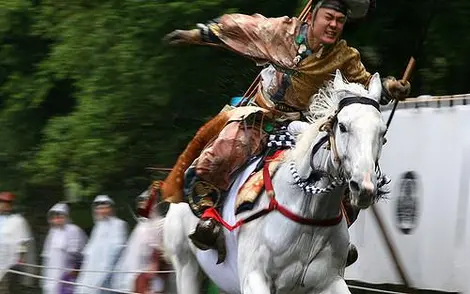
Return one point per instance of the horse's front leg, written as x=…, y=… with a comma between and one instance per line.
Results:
x=338, y=286
x=253, y=261
x=188, y=277
x=255, y=283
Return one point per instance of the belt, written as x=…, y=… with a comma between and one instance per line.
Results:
x=281, y=111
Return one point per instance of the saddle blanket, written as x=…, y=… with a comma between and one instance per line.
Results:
x=252, y=188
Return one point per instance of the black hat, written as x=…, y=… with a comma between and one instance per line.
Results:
x=351, y=8
x=337, y=5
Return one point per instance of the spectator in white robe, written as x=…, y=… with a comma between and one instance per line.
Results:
x=102, y=251
x=16, y=247
x=138, y=256
x=63, y=242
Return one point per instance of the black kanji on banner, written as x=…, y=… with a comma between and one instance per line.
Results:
x=407, y=202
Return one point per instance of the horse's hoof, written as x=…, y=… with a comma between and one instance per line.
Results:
x=352, y=255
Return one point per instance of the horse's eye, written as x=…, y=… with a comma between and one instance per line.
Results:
x=342, y=128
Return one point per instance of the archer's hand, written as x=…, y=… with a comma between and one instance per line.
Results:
x=398, y=90
x=178, y=37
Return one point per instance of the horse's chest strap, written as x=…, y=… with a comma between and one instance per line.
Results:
x=273, y=205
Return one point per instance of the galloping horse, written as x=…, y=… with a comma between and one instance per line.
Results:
x=300, y=246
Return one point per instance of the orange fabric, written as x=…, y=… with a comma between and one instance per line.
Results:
x=253, y=187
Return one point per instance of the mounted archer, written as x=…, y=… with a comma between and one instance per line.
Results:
x=301, y=57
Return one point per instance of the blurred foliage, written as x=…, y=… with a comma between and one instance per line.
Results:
x=90, y=95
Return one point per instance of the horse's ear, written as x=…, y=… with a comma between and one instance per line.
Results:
x=338, y=82
x=375, y=86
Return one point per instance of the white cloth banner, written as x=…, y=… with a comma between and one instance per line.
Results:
x=427, y=156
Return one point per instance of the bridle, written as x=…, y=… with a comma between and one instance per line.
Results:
x=329, y=127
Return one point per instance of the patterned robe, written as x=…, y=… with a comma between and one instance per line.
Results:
x=289, y=80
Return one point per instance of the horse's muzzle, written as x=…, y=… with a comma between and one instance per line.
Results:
x=362, y=192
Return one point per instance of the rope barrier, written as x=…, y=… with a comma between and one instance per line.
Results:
x=127, y=292
x=69, y=283
x=96, y=271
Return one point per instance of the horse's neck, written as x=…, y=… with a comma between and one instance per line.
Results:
x=317, y=206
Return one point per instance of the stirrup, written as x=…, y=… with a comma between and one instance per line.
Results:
x=209, y=234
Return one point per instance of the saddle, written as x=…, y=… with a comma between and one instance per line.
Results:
x=198, y=194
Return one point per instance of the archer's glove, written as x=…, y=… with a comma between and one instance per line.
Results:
x=394, y=90
x=184, y=37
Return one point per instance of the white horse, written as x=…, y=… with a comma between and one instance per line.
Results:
x=276, y=253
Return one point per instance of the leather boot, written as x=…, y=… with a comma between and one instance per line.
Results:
x=352, y=255
x=209, y=234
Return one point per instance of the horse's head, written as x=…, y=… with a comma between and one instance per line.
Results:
x=356, y=136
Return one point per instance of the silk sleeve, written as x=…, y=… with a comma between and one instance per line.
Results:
x=265, y=40
x=354, y=70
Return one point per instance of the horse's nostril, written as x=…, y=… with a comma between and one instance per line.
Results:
x=354, y=186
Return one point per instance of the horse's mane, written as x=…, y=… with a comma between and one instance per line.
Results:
x=325, y=102
x=323, y=105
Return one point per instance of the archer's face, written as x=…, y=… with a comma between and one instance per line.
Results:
x=328, y=25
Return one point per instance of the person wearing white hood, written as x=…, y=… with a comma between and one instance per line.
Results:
x=108, y=238
x=142, y=253
x=17, y=246
x=63, y=242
